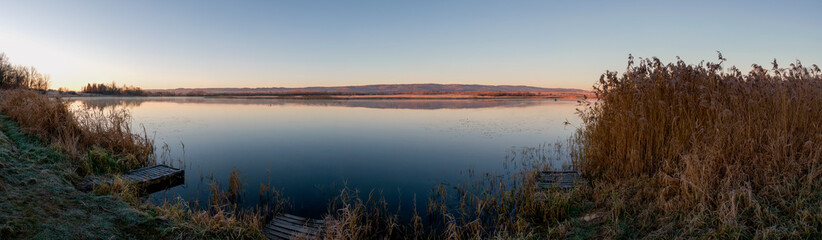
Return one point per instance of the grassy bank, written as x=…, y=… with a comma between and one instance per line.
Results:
x=39, y=201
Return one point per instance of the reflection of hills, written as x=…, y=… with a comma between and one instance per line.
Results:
x=103, y=103
x=106, y=102
x=374, y=89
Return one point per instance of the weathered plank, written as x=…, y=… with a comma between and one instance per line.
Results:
x=296, y=228
x=287, y=226
x=154, y=178
x=319, y=221
x=560, y=179
x=275, y=234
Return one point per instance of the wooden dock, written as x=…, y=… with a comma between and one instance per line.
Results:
x=558, y=179
x=148, y=179
x=287, y=226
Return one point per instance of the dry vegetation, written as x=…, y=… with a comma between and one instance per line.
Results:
x=681, y=150
x=92, y=138
x=223, y=218
x=671, y=151
x=95, y=142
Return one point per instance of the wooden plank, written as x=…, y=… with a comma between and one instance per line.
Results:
x=293, y=217
x=287, y=226
x=150, y=172
x=320, y=221
x=286, y=233
x=296, y=228
x=271, y=236
x=560, y=179
x=281, y=218
x=150, y=176
x=278, y=233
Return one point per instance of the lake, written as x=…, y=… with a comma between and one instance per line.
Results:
x=310, y=149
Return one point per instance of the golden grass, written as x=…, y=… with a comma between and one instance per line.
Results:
x=681, y=150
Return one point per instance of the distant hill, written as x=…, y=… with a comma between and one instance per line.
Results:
x=375, y=90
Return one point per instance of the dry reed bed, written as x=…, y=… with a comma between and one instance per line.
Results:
x=76, y=132
x=683, y=150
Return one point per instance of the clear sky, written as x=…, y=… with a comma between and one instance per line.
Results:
x=171, y=44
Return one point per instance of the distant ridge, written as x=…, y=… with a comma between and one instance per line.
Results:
x=378, y=89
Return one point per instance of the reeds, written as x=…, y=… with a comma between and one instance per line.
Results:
x=695, y=150
x=77, y=131
x=500, y=205
x=351, y=217
x=222, y=219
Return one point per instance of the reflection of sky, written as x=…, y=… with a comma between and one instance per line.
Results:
x=310, y=150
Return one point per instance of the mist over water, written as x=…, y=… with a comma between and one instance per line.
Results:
x=310, y=149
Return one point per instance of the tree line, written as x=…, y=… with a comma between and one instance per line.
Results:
x=113, y=89
x=18, y=76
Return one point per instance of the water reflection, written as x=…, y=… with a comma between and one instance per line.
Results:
x=310, y=149
x=108, y=102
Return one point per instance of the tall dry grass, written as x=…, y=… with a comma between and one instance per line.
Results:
x=223, y=218
x=76, y=131
x=694, y=150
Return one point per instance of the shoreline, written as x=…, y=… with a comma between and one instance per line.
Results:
x=347, y=97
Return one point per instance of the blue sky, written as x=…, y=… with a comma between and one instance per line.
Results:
x=170, y=44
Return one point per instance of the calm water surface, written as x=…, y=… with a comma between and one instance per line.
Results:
x=310, y=149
